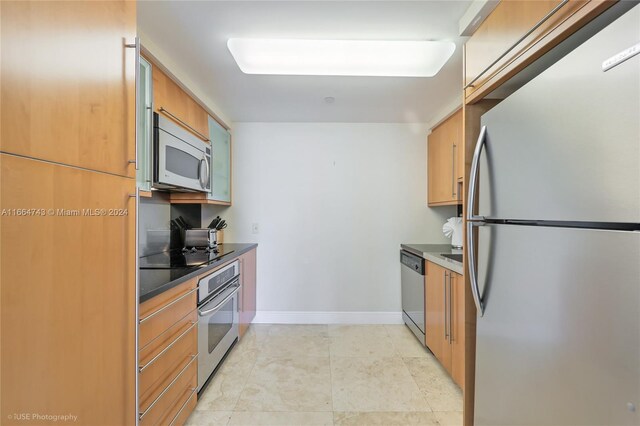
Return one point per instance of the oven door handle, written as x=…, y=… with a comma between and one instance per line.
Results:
x=219, y=305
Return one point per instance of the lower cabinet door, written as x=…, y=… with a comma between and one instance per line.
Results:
x=457, y=329
x=435, y=325
x=67, y=239
x=248, y=262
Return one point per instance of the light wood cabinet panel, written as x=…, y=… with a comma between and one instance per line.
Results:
x=156, y=346
x=68, y=83
x=185, y=410
x=507, y=23
x=169, y=404
x=435, y=315
x=168, y=342
x=457, y=329
x=68, y=293
x=248, y=272
x=444, y=158
x=159, y=373
x=170, y=100
x=166, y=316
x=445, y=319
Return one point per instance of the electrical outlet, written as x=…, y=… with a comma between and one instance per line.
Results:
x=255, y=229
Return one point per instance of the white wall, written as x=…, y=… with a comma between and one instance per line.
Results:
x=333, y=202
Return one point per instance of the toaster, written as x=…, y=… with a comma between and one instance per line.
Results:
x=200, y=237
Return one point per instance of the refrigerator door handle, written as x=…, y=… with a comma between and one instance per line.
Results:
x=473, y=220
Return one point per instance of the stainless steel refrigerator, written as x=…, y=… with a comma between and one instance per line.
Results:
x=556, y=278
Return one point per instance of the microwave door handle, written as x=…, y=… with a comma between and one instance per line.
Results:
x=203, y=175
x=219, y=305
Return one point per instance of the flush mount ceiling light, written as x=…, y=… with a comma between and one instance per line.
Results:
x=340, y=57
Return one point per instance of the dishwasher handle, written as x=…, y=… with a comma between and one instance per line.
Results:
x=411, y=261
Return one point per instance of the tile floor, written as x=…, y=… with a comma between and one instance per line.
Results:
x=329, y=375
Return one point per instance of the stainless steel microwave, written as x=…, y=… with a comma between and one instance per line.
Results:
x=181, y=160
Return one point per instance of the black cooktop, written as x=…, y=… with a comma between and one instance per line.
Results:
x=179, y=258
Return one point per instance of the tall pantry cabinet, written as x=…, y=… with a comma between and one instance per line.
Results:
x=67, y=223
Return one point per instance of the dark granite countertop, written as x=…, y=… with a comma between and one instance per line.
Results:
x=156, y=281
x=434, y=252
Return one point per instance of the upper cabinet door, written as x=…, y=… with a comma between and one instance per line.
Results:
x=221, y=162
x=514, y=35
x=443, y=157
x=68, y=83
x=170, y=100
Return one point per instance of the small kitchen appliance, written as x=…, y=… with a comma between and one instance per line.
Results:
x=182, y=161
x=200, y=237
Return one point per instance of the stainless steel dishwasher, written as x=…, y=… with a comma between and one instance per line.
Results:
x=412, y=276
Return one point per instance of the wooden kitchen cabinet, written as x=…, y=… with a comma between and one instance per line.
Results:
x=457, y=328
x=435, y=315
x=498, y=41
x=444, y=319
x=445, y=158
x=247, y=302
x=170, y=100
x=68, y=292
x=168, y=349
x=68, y=83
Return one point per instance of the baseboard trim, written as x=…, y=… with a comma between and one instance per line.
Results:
x=317, y=317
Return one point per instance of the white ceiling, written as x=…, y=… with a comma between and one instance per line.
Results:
x=194, y=35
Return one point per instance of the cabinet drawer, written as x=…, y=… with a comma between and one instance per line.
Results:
x=160, y=343
x=159, y=371
x=159, y=315
x=185, y=409
x=167, y=405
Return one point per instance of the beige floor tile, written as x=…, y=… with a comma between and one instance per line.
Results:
x=348, y=330
x=266, y=418
x=405, y=342
x=361, y=346
x=449, y=418
x=288, y=384
x=269, y=330
x=208, y=418
x=388, y=418
x=245, y=350
x=438, y=388
x=374, y=384
x=222, y=393
x=279, y=346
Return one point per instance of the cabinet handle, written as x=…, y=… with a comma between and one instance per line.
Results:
x=453, y=170
x=168, y=305
x=169, y=346
x=144, y=413
x=136, y=45
x=163, y=110
x=444, y=288
x=527, y=34
x=450, y=307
